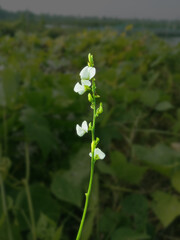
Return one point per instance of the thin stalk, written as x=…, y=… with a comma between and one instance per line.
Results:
x=26, y=184
x=92, y=164
x=4, y=205
x=5, y=132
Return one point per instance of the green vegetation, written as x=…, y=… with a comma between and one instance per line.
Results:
x=44, y=165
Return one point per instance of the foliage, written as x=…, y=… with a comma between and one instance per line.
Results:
x=137, y=187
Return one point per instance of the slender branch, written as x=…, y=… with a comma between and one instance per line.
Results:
x=5, y=132
x=3, y=196
x=92, y=163
x=26, y=184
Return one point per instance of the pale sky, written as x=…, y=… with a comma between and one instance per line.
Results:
x=153, y=9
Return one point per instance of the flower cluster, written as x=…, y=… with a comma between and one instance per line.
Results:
x=86, y=74
x=88, y=84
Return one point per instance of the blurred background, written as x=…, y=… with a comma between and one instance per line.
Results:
x=44, y=165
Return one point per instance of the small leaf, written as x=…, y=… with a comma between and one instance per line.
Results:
x=164, y=106
x=126, y=171
x=125, y=233
x=175, y=180
x=166, y=207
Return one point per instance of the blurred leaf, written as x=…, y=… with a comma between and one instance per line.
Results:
x=42, y=203
x=108, y=220
x=45, y=228
x=128, y=234
x=166, y=207
x=37, y=129
x=104, y=168
x=65, y=189
x=58, y=233
x=126, y=171
x=175, y=180
x=164, y=106
x=68, y=185
x=149, y=97
x=160, y=157
x=9, y=86
x=135, y=206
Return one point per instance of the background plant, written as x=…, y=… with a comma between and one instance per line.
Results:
x=136, y=189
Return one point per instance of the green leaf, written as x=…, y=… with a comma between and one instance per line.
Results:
x=175, y=180
x=126, y=171
x=37, y=130
x=163, y=106
x=109, y=220
x=166, y=207
x=125, y=233
x=135, y=206
x=45, y=228
x=68, y=185
x=65, y=189
x=134, y=80
x=58, y=233
x=149, y=97
x=9, y=86
x=160, y=157
x=42, y=203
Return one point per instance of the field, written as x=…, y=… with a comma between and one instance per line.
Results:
x=44, y=165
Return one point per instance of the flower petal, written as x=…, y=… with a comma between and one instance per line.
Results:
x=85, y=126
x=86, y=83
x=80, y=131
x=92, y=72
x=100, y=154
x=78, y=88
x=84, y=74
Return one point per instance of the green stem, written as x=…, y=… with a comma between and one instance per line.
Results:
x=92, y=164
x=3, y=195
x=26, y=184
x=5, y=132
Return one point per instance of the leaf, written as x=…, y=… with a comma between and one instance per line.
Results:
x=9, y=86
x=68, y=185
x=65, y=189
x=166, y=207
x=104, y=168
x=45, y=228
x=37, y=129
x=126, y=171
x=125, y=233
x=163, y=106
x=160, y=157
x=109, y=220
x=135, y=206
x=58, y=233
x=42, y=203
x=175, y=180
x=149, y=97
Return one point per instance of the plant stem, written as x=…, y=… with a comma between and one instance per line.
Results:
x=3, y=195
x=26, y=184
x=92, y=164
x=5, y=132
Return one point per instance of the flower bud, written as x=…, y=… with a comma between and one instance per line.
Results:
x=90, y=99
x=97, y=141
x=99, y=110
x=90, y=58
x=90, y=126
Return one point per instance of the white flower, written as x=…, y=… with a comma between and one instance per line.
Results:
x=87, y=73
x=81, y=130
x=98, y=154
x=80, y=88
